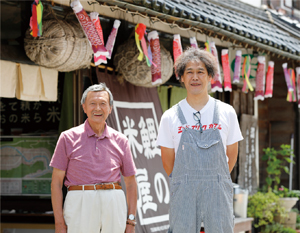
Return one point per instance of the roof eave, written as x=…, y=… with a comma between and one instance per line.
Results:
x=198, y=24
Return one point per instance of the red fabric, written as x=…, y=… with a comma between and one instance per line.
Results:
x=156, y=58
x=140, y=30
x=91, y=32
x=100, y=33
x=34, y=21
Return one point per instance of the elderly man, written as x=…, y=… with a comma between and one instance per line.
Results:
x=88, y=159
x=199, y=147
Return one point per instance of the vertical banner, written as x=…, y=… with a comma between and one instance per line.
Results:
x=247, y=155
x=136, y=113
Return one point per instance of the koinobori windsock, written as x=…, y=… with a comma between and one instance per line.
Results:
x=269, y=80
x=156, y=57
x=89, y=29
x=226, y=70
x=260, y=79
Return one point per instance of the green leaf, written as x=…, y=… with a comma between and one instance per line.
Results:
x=288, y=160
x=268, y=181
x=286, y=169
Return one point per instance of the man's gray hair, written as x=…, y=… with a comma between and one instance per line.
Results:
x=193, y=54
x=97, y=87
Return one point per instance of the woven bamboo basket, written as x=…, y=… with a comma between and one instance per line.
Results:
x=137, y=72
x=63, y=46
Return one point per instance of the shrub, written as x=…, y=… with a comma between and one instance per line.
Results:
x=264, y=207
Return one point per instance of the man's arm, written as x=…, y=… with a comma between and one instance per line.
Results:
x=131, y=196
x=57, y=200
x=232, y=153
x=168, y=158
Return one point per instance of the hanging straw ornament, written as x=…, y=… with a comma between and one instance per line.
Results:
x=260, y=79
x=193, y=42
x=298, y=84
x=89, y=29
x=155, y=50
x=237, y=66
x=269, y=82
x=138, y=72
x=226, y=70
x=216, y=81
x=112, y=38
x=246, y=73
x=36, y=18
x=96, y=21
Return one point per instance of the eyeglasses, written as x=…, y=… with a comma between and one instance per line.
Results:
x=197, y=117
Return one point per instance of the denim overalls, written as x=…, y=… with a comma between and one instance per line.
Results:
x=200, y=183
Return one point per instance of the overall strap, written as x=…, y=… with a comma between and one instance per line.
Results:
x=180, y=115
x=216, y=112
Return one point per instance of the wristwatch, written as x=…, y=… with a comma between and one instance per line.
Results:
x=131, y=217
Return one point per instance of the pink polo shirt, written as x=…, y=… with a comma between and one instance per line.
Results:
x=89, y=159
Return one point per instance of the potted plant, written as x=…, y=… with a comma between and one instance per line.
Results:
x=288, y=198
x=263, y=207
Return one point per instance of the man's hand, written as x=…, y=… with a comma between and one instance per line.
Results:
x=131, y=194
x=129, y=229
x=168, y=159
x=60, y=228
x=232, y=153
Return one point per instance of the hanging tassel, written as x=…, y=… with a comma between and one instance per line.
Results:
x=260, y=79
x=155, y=50
x=292, y=94
x=226, y=70
x=96, y=21
x=139, y=34
x=193, y=42
x=89, y=29
x=287, y=80
x=216, y=83
x=269, y=82
x=150, y=52
x=246, y=73
x=145, y=49
x=292, y=71
x=39, y=14
x=298, y=84
x=237, y=66
x=207, y=46
x=140, y=30
x=112, y=38
x=287, y=77
x=35, y=24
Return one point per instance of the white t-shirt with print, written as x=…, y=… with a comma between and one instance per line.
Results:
x=170, y=128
